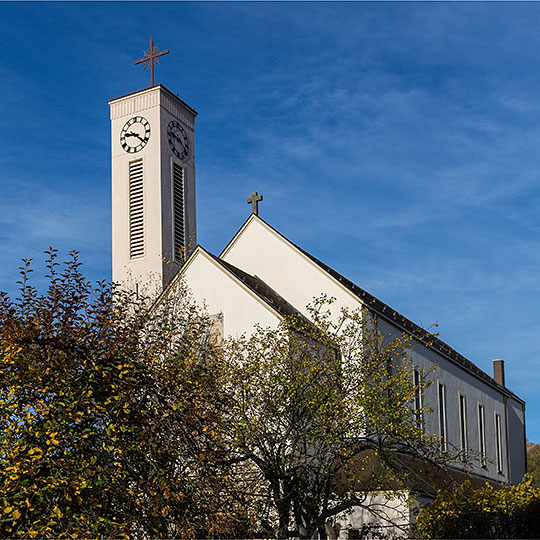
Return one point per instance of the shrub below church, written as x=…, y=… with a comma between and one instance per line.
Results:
x=533, y=462
x=485, y=512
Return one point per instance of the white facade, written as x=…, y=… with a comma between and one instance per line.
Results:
x=299, y=279
x=217, y=289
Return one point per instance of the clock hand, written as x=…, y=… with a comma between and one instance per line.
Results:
x=179, y=140
x=133, y=134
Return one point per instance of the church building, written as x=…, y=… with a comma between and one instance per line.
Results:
x=261, y=276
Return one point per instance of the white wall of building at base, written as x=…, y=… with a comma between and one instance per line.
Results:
x=388, y=515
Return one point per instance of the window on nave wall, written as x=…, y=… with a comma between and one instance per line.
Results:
x=442, y=415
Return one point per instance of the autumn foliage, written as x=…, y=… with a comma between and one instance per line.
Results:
x=122, y=417
x=533, y=461
x=484, y=512
x=321, y=409
x=107, y=411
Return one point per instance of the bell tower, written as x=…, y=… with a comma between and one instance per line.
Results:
x=153, y=187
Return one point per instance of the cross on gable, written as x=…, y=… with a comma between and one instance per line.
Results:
x=254, y=201
x=151, y=56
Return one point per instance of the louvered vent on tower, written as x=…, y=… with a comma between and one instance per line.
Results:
x=136, y=210
x=179, y=230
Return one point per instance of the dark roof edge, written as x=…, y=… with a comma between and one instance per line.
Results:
x=255, y=284
x=263, y=291
x=396, y=318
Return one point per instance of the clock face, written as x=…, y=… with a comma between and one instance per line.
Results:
x=135, y=134
x=178, y=139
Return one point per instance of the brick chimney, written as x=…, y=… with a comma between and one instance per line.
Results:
x=498, y=371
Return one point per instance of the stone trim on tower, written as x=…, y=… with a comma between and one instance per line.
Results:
x=152, y=97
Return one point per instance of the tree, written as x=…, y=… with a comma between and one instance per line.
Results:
x=484, y=512
x=321, y=410
x=108, y=413
x=533, y=462
x=121, y=417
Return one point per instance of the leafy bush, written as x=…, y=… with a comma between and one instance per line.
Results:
x=485, y=512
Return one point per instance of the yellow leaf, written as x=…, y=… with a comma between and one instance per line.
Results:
x=16, y=514
x=57, y=512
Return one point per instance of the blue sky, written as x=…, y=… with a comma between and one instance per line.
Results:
x=397, y=142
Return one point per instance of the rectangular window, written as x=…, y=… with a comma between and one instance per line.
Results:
x=418, y=399
x=481, y=435
x=179, y=234
x=462, y=422
x=215, y=329
x=498, y=442
x=442, y=416
x=136, y=209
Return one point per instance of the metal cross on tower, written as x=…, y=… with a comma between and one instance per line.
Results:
x=254, y=201
x=151, y=56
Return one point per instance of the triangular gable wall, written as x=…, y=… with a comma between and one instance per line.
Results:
x=220, y=291
x=261, y=251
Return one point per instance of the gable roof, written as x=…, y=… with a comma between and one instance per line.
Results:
x=261, y=289
x=384, y=311
x=257, y=286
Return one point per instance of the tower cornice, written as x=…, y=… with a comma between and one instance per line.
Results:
x=150, y=97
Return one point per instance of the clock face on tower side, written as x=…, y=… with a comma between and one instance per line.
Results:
x=135, y=134
x=178, y=139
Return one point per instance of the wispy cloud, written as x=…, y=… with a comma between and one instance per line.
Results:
x=48, y=217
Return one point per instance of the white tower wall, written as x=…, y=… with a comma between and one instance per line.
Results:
x=159, y=261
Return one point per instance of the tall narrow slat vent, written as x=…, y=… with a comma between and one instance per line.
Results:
x=136, y=210
x=179, y=229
